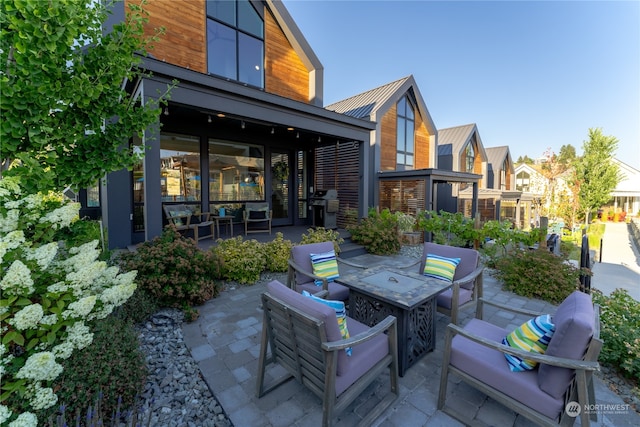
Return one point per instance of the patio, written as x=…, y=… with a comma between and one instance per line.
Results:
x=225, y=342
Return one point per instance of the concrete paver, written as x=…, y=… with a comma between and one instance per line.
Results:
x=230, y=325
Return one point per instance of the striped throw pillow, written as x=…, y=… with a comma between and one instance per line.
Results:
x=341, y=315
x=440, y=267
x=533, y=336
x=325, y=265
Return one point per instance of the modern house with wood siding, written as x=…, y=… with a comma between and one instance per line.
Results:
x=245, y=121
x=402, y=153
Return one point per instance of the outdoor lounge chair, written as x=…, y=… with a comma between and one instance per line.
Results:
x=557, y=390
x=183, y=219
x=257, y=217
x=466, y=287
x=304, y=338
x=301, y=276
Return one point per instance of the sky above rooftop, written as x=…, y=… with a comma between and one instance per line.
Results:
x=531, y=75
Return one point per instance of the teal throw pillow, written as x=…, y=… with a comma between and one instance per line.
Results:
x=341, y=315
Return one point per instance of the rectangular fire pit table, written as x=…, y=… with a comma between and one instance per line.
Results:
x=410, y=297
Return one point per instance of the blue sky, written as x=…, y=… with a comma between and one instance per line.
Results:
x=531, y=75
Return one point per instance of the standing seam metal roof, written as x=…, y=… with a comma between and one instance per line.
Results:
x=451, y=140
x=364, y=104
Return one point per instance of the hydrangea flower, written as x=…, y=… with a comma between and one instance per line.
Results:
x=42, y=398
x=17, y=280
x=63, y=216
x=80, y=308
x=43, y=255
x=28, y=317
x=40, y=367
x=26, y=419
x=5, y=413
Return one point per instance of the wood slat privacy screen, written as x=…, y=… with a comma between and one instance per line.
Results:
x=403, y=195
x=336, y=167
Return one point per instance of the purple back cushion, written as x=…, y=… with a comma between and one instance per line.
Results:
x=301, y=256
x=574, y=320
x=315, y=309
x=468, y=259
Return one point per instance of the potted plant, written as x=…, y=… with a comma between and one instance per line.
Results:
x=407, y=228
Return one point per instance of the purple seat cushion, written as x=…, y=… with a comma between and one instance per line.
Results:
x=336, y=290
x=468, y=259
x=574, y=320
x=301, y=255
x=363, y=356
x=490, y=367
x=444, y=299
x=317, y=310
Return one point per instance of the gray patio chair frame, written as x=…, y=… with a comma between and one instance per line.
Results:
x=299, y=275
x=182, y=222
x=580, y=389
x=298, y=343
x=246, y=217
x=461, y=277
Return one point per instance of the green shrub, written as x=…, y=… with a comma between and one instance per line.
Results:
x=174, y=271
x=111, y=368
x=321, y=234
x=537, y=274
x=620, y=320
x=448, y=228
x=138, y=307
x=277, y=253
x=81, y=232
x=242, y=261
x=378, y=233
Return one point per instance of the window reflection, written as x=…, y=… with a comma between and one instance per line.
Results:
x=179, y=168
x=236, y=171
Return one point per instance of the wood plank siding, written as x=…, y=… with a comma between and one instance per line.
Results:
x=184, y=42
x=388, y=132
x=388, y=137
x=285, y=74
x=421, y=144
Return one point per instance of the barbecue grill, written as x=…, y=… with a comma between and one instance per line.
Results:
x=325, y=205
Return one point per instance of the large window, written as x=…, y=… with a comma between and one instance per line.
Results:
x=469, y=158
x=236, y=171
x=235, y=41
x=405, y=138
x=523, y=181
x=180, y=168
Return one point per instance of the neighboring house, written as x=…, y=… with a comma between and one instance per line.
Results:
x=500, y=170
x=401, y=154
x=245, y=121
x=626, y=195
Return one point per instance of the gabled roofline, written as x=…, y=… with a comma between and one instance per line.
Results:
x=302, y=48
x=409, y=83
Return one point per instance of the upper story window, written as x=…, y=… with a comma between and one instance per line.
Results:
x=469, y=158
x=235, y=41
x=405, y=139
x=503, y=175
x=523, y=181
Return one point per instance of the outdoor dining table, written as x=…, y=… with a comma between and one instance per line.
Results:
x=411, y=297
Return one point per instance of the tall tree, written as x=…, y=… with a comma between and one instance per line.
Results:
x=65, y=115
x=526, y=159
x=596, y=174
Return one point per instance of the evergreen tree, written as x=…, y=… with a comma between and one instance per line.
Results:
x=596, y=175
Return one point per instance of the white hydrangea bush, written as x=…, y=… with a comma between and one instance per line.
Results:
x=48, y=294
